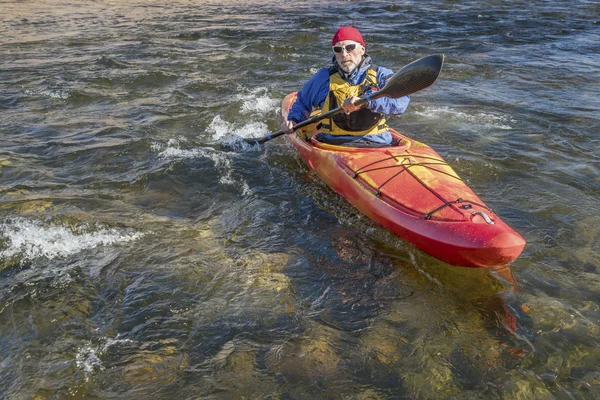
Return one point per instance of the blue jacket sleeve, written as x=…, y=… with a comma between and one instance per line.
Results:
x=386, y=105
x=311, y=96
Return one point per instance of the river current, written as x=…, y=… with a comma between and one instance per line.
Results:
x=142, y=258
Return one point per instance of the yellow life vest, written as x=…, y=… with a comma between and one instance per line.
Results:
x=359, y=123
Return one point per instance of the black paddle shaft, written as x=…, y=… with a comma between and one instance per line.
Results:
x=414, y=77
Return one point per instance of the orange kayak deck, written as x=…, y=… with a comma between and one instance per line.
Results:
x=410, y=190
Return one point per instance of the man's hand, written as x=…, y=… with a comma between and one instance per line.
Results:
x=287, y=127
x=349, y=106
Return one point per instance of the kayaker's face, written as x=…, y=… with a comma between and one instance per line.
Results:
x=348, y=60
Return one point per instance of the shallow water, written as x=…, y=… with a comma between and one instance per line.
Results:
x=140, y=259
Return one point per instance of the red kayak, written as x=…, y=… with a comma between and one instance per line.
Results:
x=409, y=189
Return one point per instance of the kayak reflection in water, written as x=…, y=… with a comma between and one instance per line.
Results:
x=351, y=75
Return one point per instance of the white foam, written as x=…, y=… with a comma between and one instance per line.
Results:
x=488, y=120
x=31, y=239
x=112, y=342
x=257, y=101
x=221, y=129
x=172, y=150
x=87, y=360
x=175, y=153
x=55, y=94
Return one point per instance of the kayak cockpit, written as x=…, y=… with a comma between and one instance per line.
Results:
x=400, y=144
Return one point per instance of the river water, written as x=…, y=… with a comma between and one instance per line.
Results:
x=140, y=258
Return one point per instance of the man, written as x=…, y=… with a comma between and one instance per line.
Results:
x=351, y=75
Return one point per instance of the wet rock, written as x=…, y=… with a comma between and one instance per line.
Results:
x=385, y=342
x=271, y=281
x=441, y=359
x=236, y=367
x=32, y=206
x=17, y=192
x=313, y=355
x=370, y=394
x=433, y=382
x=266, y=262
x=592, y=380
x=160, y=365
x=268, y=287
x=525, y=387
x=4, y=163
x=349, y=250
x=553, y=367
x=550, y=315
x=413, y=312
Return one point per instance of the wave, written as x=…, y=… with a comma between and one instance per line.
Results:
x=257, y=101
x=31, y=239
x=88, y=361
x=222, y=130
x=52, y=93
x=488, y=120
x=222, y=161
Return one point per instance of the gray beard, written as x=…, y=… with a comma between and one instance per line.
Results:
x=348, y=69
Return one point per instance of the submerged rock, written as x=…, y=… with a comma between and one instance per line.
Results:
x=385, y=342
x=434, y=381
x=313, y=355
x=27, y=206
x=526, y=387
x=235, y=370
x=161, y=365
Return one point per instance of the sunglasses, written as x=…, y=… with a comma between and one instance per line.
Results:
x=349, y=48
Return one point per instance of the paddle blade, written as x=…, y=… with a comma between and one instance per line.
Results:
x=415, y=76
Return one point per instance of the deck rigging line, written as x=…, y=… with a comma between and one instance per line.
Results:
x=406, y=167
x=457, y=201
